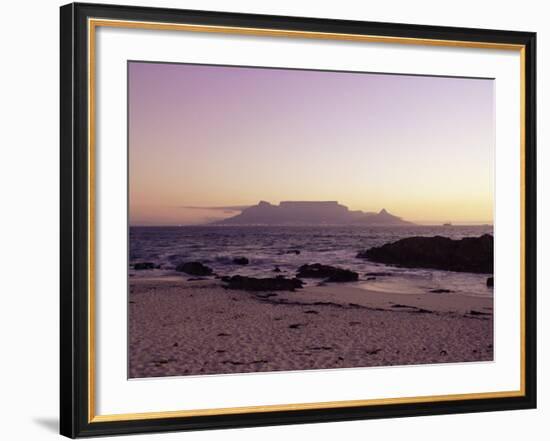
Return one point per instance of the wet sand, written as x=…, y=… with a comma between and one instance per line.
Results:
x=180, y=327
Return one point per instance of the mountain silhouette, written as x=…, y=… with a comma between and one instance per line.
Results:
x=310, y=213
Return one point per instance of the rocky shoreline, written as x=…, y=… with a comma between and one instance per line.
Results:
x=471, y=254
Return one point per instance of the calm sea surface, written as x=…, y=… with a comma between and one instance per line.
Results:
x=270, y=247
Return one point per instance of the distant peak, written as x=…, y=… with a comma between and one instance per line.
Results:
x=383, y=211
x=263, y=203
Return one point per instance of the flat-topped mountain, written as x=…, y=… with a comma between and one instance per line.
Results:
x=310, y=213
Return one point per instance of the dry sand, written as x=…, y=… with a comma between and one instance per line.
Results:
x=179, y=327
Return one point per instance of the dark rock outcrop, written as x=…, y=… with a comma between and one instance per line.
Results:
x=327, y=272
x=470, y=254
x=194, y=268
x=297, y=252
x=278, y=283
x=144, y=266
x=490, y=282
x=241, y=261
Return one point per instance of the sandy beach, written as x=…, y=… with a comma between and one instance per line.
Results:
x=182, y=327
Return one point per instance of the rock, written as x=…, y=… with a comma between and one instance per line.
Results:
x=440, y=291
x=241, y=261
x=267, y=295
x=144, y=266
x=378, y=274
x=470, y=254
x=490, y=282
x=278, y=283
x=371, y=278
x=194, y=268
x=327, y=272
x=277, y=269
x=297, y=252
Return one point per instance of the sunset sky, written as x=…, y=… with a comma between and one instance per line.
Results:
x=212, y=136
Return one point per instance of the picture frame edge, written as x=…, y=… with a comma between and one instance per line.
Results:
x=75, y=416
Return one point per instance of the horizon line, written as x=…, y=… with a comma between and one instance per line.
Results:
x=414, y=224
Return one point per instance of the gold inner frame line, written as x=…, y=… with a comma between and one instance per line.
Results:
x=92, y=25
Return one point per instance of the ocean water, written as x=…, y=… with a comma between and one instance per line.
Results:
x=270, y=247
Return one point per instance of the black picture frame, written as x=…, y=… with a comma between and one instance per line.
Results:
x=75, y=416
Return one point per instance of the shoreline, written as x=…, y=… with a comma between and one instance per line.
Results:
x=180, y=327
x=394, y=283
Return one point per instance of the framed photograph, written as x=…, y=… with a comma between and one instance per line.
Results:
x=274, y=220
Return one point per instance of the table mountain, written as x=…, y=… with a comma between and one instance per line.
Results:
x=310, y=213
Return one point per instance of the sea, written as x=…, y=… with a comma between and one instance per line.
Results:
x=289, y=247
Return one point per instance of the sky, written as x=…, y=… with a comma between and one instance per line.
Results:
x=205, y=140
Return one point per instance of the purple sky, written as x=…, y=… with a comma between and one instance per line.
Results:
x=421, y=147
